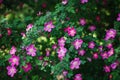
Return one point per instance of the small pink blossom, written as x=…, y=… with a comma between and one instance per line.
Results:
x=104, y=55
x=61, y=52
x=27, y=67
x=74, y=64
x=29, y=26
x=65, y=73
x=72, y=32
x=23, y=34
x=100, y=48
x=91, y=45
x=109, y=46
x=95, y=56
x=106, y=68
x=39, y=13
x=31, y=50
x=92, y=28
x=114, y=65
x=82, y=21
x=61, y=42
x=111, y=33
x=48, y=26
x=54, y=46
x=11, y=70
x=77, y=43
x=110, y=52
x=64, y=2
x=0, y=35
x=78, y=77
x=14, y=60
x=44, y=5
x=40, y=57
x=9, y=31
x=83, y=1
x=13, y=50
x=89, y=59
x=47, y=52
x=81, y=52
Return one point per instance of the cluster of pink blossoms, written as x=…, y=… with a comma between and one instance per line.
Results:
x=62, y=50
x=112, y=66
x=14, y=61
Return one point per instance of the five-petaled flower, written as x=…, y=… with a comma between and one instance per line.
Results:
x=11, y=70
x=74, y=64
x=31, y=50
x=48, y=26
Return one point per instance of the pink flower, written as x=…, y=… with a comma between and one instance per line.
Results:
x=61, y=42
x=27, y=67
x=44, y=5
x=0, y=35
x=78, y=77
x=89, y=59
x=64, y=2
x=61, y=52
x=48, y=26
x=118, y=18
x=104, y=55
x=54, y=46
x=81, y=52
x=47, y=52
x=111, y=33
x=110, y=52
x=82, y=21
x=92, y=28
x=72, y=32
x=95, y=56
x=39, y=13
x=91, y=45
x=77, y=43
x=106, y=68
x=100, y=48
x=13, y=50
x=40, y=57
x=31, y=50
x=14, y=60
x=109, y=46
x=29, y=26
x=23, y=34
x=114, y=65
x=11, y=70
x=83, y=1
x=9, y=31
x=74, y=64
x=65, y=72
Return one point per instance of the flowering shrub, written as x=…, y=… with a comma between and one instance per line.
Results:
x=76, y=41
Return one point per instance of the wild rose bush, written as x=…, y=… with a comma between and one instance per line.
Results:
x=76, y=41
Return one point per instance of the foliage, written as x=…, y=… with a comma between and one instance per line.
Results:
x=35, y=46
